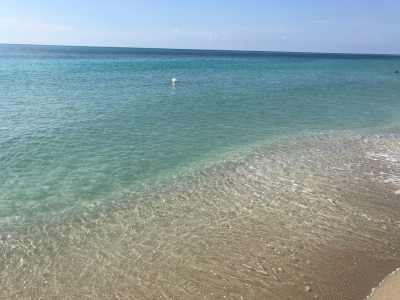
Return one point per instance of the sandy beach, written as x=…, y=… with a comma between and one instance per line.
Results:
x=389, y=290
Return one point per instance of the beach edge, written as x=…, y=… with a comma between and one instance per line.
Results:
x=388, y=289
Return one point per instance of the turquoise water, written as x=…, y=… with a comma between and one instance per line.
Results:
x=255, y=176
x=83, y=125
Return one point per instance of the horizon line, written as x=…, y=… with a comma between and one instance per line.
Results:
x=193, y=49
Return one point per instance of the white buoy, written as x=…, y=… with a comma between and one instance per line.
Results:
x=174, y=80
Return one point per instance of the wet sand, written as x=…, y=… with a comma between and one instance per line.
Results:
x=351, y=274
x=389, y=290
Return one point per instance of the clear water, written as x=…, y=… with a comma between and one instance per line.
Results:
x=86, y=125
x=97, y=144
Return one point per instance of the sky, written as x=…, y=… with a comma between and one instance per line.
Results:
x=340, y=26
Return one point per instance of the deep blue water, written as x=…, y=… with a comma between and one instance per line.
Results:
x=81, y=126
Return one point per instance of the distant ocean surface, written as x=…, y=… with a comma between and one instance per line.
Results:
x=90, y=131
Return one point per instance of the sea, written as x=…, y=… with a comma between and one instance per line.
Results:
x=258, y=175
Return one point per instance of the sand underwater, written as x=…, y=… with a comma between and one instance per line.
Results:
x=317, y=217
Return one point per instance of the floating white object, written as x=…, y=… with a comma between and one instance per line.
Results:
x=174, y=80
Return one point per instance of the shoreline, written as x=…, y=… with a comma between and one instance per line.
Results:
x=388, y=289
x=349, y=274
x=249, y=229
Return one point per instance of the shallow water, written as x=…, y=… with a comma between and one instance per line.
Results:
x=239, y=182
x=251, y=227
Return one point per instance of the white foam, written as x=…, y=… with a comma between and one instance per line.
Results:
x=331, y=201
x=392, y=158
x=380, y=284
x=368, y=218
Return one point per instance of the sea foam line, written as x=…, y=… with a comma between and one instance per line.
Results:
x=381, y=283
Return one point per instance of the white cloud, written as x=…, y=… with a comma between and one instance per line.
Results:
x=322, y=22
x=20, y=31
x=176, y=30
x=268, y=31
x=33, y=26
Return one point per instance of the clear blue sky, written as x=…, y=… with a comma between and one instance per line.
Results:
x=357, y=26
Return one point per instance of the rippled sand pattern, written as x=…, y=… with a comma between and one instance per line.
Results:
x=276, y=223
